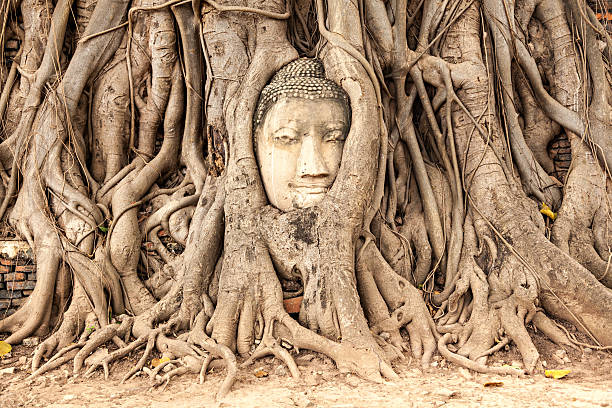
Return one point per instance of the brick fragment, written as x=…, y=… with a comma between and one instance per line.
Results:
x=6, y=261
x=8, y=294
x=25, y=268
x=564, y=157
x=14, y=276
x=32, y=276
x=27, y=292
x=22, y=285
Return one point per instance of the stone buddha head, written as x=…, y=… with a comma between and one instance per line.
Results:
x=301, y=121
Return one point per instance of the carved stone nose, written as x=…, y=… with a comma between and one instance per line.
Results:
x=311, y=162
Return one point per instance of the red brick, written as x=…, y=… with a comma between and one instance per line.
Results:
x=4, y=269
x=20, y=285
x=25, y=268
x=14, y=276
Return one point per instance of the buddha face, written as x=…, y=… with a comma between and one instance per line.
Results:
x=299, y=149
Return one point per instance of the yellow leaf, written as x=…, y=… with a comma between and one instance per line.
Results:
x=556, y=374
x=548, y=212
x=5, y=348
x=261, y=373
x=157, y=361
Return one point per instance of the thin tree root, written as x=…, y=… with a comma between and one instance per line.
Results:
x=54, y=364
x=204, y=369
x=470, y=364
x=270, y=346
x=115, y=355
x=100, y=337
x=191, y=364
x=145, y=356
x=504, y=341
x=155, y=372
x=573, y=339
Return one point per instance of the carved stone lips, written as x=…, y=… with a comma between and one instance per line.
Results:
x=310, y=188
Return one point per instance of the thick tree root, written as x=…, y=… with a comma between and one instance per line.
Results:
x=198, y=337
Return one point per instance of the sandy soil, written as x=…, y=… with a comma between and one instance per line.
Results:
x=588, y=385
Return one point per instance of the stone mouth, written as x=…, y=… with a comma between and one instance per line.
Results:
x=310, y=188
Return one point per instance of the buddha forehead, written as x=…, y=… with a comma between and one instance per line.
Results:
x=300, y=114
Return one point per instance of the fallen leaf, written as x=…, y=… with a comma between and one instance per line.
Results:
x=261, y=373
x=5, y=348
x=493, y=384
x=157, y=361
x=548, y=212
x=556, y=374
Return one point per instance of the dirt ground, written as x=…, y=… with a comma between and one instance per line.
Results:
x=588, y=385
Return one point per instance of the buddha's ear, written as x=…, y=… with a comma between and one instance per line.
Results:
x=257, y=130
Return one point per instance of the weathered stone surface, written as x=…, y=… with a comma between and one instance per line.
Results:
x=31, y=341
x=8, y=370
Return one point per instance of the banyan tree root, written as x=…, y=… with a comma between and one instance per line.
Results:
x=128, y=165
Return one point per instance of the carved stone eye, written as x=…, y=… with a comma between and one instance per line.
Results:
x=336, y=135
x=285, y=136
